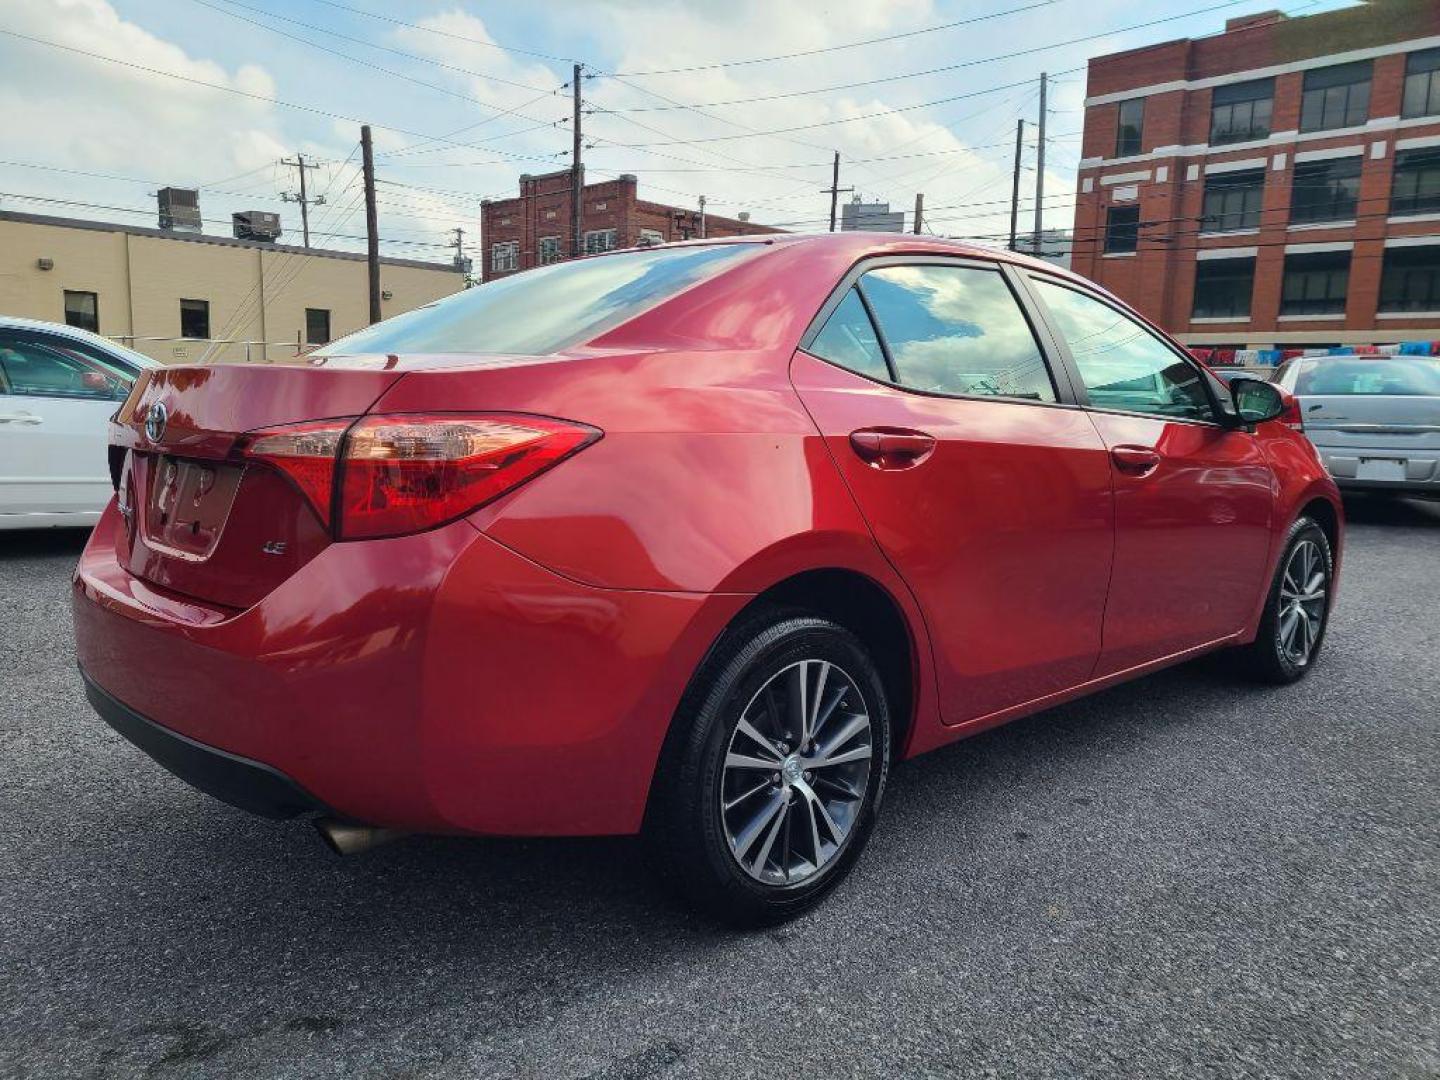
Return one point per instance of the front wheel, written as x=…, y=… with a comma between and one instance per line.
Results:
x=1297, y=609
x=770, y=784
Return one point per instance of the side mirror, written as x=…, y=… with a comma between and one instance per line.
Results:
x=1256, y=401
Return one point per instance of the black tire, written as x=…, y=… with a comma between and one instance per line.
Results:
x=686, y=830
x=1267, y=658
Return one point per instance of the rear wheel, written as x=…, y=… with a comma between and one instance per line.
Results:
x=771, y=780
x=1297, y=610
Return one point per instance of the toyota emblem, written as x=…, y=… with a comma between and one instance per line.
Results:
x=155, y=420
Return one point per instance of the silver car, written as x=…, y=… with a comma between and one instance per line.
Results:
x=1374, y=419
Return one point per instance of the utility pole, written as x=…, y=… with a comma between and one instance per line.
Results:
x=919, y=210
x=834, y=190
x=577, y=169
x=702, y=217
x=462, y=263
x=372, y=222
x=300, y=196
x=1015, y=185
x=1040, y=168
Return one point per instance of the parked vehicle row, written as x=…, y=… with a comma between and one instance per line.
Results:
x=692, y=541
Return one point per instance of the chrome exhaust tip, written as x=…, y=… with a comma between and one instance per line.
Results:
x=347, y=838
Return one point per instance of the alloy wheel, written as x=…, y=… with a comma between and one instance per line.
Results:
x=796, y=772
x=1302, y=603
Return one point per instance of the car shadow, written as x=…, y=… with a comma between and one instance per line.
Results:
x=1361, y=509
x=38, y=543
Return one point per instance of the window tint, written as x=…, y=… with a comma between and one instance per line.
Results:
x=848, y=339
x=1122, y=364
x=1223, y=288
x=1315, y=283
x=32, y=366
x=317, y=326
x=82, y=311
x=1346, y=376
x=194, y=318
x=957, y=330
x=546, y=309
x=1410, y=280
x=1122, y=229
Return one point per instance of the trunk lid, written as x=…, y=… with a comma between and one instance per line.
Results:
x=1401, y=422
x=201, y=522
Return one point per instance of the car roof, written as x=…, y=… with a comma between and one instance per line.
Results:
x=14, y=322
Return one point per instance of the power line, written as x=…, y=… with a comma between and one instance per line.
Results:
x=446, y=33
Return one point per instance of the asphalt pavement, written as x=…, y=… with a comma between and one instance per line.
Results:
x=1182, y=877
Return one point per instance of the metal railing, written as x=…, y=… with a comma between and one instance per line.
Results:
x=207, y=350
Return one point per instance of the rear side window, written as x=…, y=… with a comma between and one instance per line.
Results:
x=848, y=339
x=547, y=309
x=957, y=330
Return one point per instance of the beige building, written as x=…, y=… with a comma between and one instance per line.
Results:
x=184, y=297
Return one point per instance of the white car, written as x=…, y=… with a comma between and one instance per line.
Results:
x=58, y=388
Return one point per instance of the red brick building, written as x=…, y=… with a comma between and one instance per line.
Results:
x=534, y=228
x=1274, y=186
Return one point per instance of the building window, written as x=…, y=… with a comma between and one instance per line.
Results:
x=505, y=256
x=82, y=311
x=1422, y=84
x=195, y=318
x=1241, y=112
x=549, y=250
x=1129, y=127
x=1325, y=190
x=1223, y=288
x=317, y=326
x=1411, y=279
x=651, y=237
x=602, y=206
x=1416, y=188
x=1233, y=201
x=598, y=240
x=1122, y=229
x=1315, y=283
x=1336, y=97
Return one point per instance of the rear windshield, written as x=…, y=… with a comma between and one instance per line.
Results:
x=544, y=310
x=1366, y=376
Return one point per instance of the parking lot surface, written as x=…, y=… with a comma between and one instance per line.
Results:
x=1185, y=877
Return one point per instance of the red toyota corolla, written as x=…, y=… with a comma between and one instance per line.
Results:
x=690, y=541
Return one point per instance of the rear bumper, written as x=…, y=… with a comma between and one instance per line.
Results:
x=434, y=683
x=1416, y=471
x=249, y=785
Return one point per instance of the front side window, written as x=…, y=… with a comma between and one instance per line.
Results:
x=505, y=256
x=317, y=326
x=194, y=318
x=1416, y=186
x=41, y=366
x=1123, y=365
x=549, y=308
x=599, y=240
x=1410, y=279
x=849, y=340
x=82, y=311
x=1129, y=127
x=956, y=330
x=1315, y=283
x=549, y=250
x=1122, y=229
x=1422, y=84
x=1233, y=201
x=1325, y=190
x=1241, y=112
x=1336, y=97
x=1223, y=288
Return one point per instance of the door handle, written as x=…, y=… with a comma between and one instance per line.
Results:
x=21, y=418
x=891, y=448
x=1135, y=460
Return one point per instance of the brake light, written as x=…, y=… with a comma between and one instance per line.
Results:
x=406, y=473
x=1290, y=415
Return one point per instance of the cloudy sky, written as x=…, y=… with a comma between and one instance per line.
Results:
x=742, y=101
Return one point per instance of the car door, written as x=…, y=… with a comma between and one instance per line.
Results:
x=56, y=398
x=1193, y=498
x=982, y=481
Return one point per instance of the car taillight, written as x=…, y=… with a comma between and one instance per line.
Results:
x=1290, y=414
x=409, y=472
